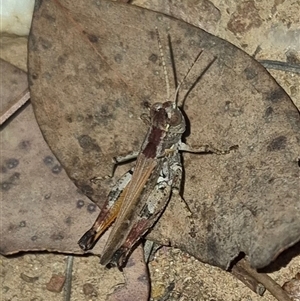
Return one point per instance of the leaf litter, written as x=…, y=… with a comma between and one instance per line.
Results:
x=92, y=115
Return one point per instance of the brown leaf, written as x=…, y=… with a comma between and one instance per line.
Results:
x=137, y=286
x=42, y=210
x=90, y=78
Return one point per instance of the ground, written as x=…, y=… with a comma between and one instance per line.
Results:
x=271, y=25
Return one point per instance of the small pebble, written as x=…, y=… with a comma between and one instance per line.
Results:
x=89, y=290
x=56, y=283
x=292, y=287
x=28, y=278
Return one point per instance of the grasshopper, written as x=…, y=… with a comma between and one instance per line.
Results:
x=140, y=196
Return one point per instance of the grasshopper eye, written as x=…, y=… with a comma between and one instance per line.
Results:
x=155, y=108
x=175, y=118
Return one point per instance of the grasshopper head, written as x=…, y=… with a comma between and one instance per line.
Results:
x=167, y=126
x=167, y=117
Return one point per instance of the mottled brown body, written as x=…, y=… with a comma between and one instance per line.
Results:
x=144, y=197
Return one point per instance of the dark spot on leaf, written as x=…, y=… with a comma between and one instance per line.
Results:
x=48, y=160
x=68, y=220
x=79, y=118
x=91, y=208
x=118, y=58
x=62, y=59
x=268, y=114
x=80, y=204
x=276, y=95
x=118, y=103
x=15, y=177
x=251, y=73
x=103, y=115
x=24, y=144
x=233, y=109
x=56, y=169
x=11, y=163
x=277, y=144
x=136, y=143
x=34, y=238
x=92, y=38
x=87, y=143
x=87, y=190
x=47, y=196
x=69, y=119
x=5, y=186
x=153, y=58
x=22, y=224
x=57, y=236
x=35, y=76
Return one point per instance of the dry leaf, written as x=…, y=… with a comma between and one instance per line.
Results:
x=42, y=209
x=90, y=78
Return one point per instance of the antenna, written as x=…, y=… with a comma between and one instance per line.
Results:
x=186, y=75
x=163, y=63
x=175, y=99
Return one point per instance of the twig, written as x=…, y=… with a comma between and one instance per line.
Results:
x=17, y=104
x=240, y=273
x=68, y=283
x=272, y=286
x=283, y=66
